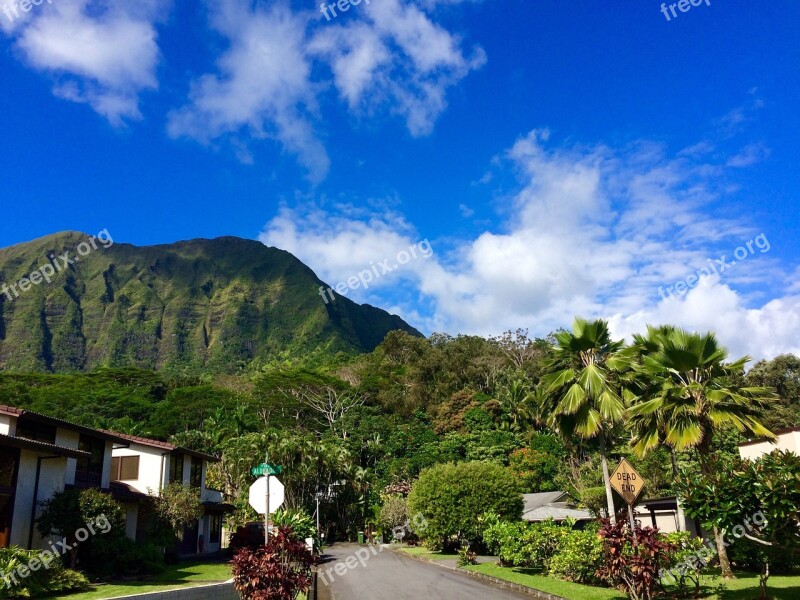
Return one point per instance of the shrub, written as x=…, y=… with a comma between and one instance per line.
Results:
x=452, y=497
x=71, y=510
x=394, y=513
x=579, y=556
x=298, y=520
x=632, y=560
x=467, y=556
x=521, y=544
x=42, y=582
x=684, y=566
x=279, y=571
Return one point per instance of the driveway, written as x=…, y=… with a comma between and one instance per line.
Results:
x=377, y=573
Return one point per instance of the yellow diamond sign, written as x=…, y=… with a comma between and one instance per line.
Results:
x=627, y=481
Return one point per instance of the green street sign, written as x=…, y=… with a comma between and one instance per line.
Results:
x=266, y=469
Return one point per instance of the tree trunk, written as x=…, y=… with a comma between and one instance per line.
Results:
x=607, y=479
x=722, y=551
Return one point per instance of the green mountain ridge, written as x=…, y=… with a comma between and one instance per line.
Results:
x=216, y=305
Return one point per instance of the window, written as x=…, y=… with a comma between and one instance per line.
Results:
x=89, y=471
x=176, y=468
x=215, y=529
x=38, y=432
x=196, y=478
x=124, y=468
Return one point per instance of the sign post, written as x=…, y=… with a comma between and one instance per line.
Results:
x=629, y=484
x=268, y=470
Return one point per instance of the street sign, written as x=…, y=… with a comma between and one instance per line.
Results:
x=266, y=469
x=258, y=495
x=627, y=482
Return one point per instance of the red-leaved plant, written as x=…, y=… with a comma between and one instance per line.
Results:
x=632, y=560
x=278, y=571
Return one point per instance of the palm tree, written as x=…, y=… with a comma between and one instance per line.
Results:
x=516, y=400
x=690, y=392
x=580, y=397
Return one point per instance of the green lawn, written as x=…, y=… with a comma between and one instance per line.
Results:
x=745, y=587
x=175, y=576
x=551, y=585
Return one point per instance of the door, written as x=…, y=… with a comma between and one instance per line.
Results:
x=189, y=543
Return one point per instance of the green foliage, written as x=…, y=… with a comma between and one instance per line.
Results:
x=394, y=513
x=177, y=506
x=522, y=544
x=54, y=579
x=222, y=305
x=535, y=469
x=452, y=497
x=298, y=520
x=689, y=554
x=782, y=374
x=579, y=556
x=69, y=511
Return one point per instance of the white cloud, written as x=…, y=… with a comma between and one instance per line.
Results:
x=592, y=231
x=263, y=86
x=104, y=54
x=386, y=57
x=393, y=54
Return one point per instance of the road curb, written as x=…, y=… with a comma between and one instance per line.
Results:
x=502, y=583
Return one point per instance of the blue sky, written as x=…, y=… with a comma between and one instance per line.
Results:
x=560, y=158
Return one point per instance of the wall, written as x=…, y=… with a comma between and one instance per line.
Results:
x=67, y=438
x=8, y=425
x=217, y=591
x=789, y=442
x=152, y=467
x=51, y=480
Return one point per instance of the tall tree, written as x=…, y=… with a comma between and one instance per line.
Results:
x=692, y=392
x=581, y=395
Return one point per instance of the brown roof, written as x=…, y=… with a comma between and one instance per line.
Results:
x=26, y=444
x=776, y=432
x=172, y=448
x=13, y=411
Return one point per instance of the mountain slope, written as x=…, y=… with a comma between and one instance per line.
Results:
x=192, y=306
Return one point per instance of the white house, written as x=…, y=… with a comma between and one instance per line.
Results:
x=39, y=457
x=145, y=466
x=787, y=440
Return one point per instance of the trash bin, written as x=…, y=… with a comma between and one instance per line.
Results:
x=360, y=537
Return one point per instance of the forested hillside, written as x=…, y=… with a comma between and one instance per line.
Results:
x=192, y=307
x=373, y=420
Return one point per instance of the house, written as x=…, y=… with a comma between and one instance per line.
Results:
x=787, y=440
x=544, y=506
x=667, y=514
x=145, y=466
x=39, y=457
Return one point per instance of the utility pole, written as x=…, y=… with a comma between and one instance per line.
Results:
x=266, y=512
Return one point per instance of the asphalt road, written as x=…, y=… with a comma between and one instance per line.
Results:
x=369, y=573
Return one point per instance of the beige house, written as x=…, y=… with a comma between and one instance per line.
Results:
x=145, y=466
x=39, y=457
x=788, y=441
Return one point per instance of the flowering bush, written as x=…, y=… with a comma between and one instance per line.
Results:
x=278, y=571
